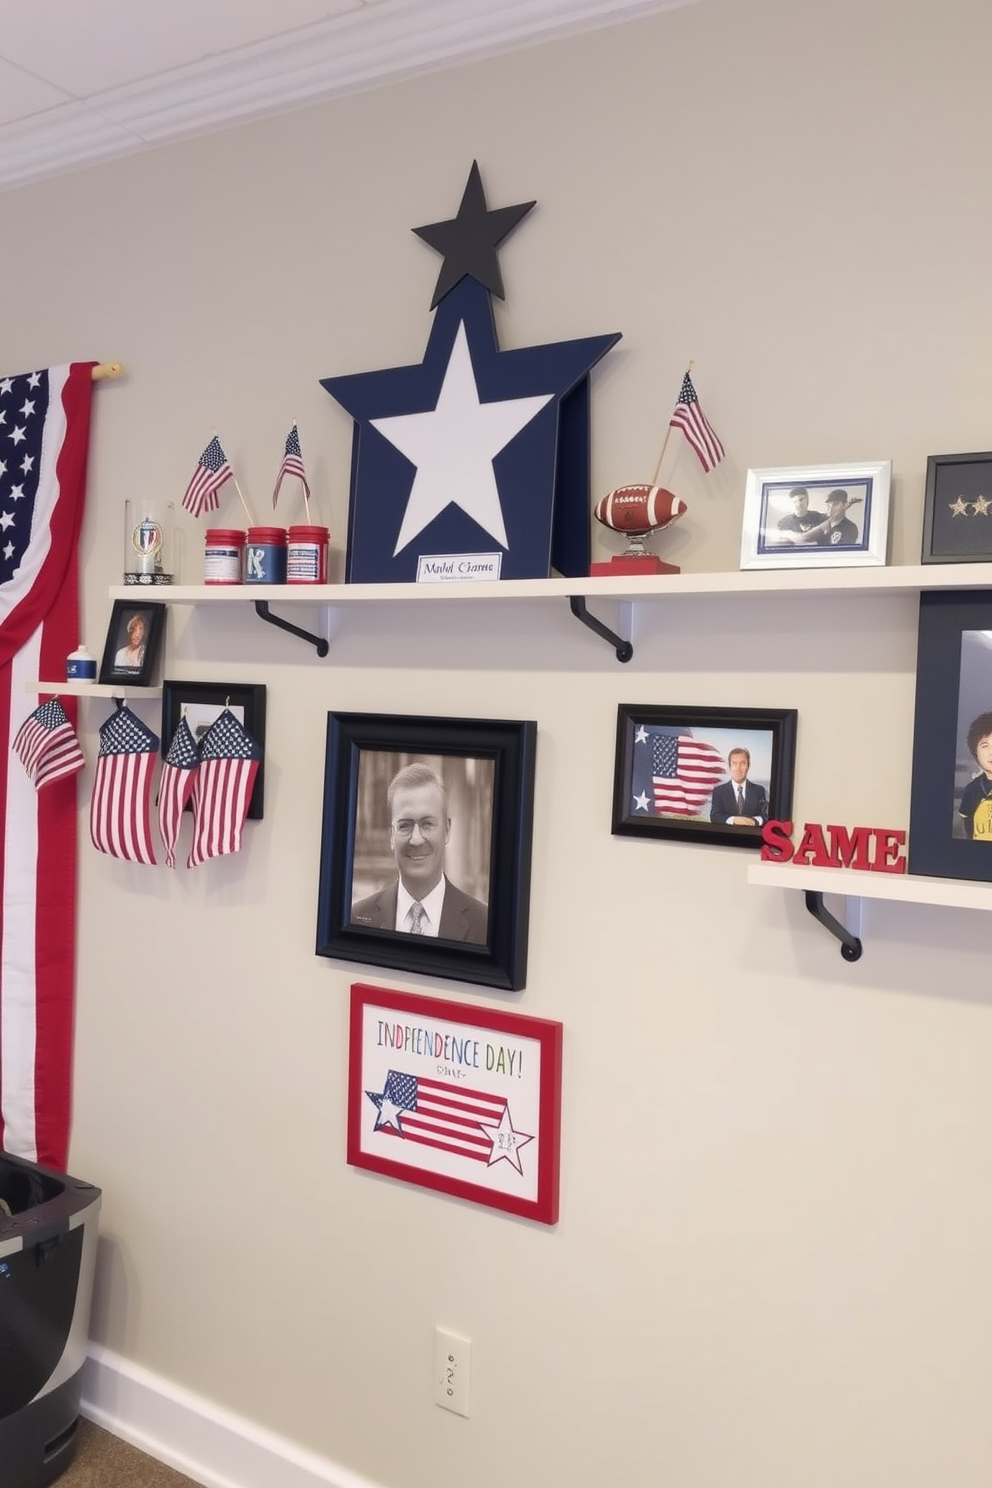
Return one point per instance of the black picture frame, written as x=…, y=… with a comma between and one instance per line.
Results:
x=953, y=691
x=125, y=611
x=957, y=509
x=488, y=769
x=207, y=700
x=695, y=743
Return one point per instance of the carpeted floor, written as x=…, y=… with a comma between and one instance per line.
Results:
x=104, y=1461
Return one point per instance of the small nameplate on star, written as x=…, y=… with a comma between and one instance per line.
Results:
x=453, y=568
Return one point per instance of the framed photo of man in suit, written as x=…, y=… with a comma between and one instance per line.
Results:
x=425, y=858
x=703, y=774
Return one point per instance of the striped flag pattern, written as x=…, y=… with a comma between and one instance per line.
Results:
x=690, y=418
x=119, y=809
x=437, y=1114
x=229, y=760
x=46, y=745
x=211, y=472
x=44, y=438
x=684, y=771
x=176, y=786
x=292, y=463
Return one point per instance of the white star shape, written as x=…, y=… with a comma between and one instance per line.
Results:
x=26, y=463
x=641, y=802
x=6, y=385
x=8, y=551
x=27, y=408
x=34, y=380
x=16, y=493
x=640, y=734
x=18, y=436
x=453, y=446
x=3, y=467
x=6, y=520
x=506, y=1142
x=389, y=1114
x=959, y=507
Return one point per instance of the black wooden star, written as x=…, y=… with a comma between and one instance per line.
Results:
x=468, y=241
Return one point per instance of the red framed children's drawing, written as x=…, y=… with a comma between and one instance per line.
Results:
x=462, y=1099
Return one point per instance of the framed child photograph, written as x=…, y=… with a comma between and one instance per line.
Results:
x=426, y=845
x=703, y=774
x=134, y=637
x=950, y=821
x=816, y=516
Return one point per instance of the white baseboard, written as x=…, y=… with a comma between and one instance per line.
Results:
x=210, y=1445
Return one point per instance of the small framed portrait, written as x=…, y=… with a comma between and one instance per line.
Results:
x=201, y=704
x=950, y=819
x=426, y=845
x=134, y=638
x=703, y=774
x=460, y=1099
x=816, y=516
x=957, y=511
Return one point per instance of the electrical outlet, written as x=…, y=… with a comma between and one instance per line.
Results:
x=452, y=1359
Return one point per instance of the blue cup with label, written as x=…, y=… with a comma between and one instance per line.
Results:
x=265, y=555
x=80, y=666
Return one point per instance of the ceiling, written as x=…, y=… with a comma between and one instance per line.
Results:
x=89, y=80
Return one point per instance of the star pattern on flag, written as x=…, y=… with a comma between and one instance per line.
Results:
x=20, y=470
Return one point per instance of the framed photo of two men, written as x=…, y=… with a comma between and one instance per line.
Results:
x=703, y=774
x=426, y=845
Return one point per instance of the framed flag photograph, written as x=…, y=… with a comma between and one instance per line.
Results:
x=462, y=1099
x=713, y=775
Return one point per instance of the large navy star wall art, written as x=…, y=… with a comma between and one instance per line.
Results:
x=473, y=464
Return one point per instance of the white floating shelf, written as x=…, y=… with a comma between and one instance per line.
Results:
x=92, y=689
x=905, y=888
x=906, y=579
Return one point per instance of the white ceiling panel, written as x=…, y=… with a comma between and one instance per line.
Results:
x=89, y=80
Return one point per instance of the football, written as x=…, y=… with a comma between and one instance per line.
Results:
x=639, y=509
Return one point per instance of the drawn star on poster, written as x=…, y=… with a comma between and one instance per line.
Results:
x=475, y=455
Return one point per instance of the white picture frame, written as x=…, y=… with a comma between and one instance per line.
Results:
x=781, y=531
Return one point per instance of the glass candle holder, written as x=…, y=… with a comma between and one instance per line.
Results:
x=148, y=541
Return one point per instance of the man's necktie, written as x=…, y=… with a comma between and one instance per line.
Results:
x=418, y=915
x=740, y=800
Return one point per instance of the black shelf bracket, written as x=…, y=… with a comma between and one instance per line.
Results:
x=264, y=613
x=850, y=945
x=623, y=648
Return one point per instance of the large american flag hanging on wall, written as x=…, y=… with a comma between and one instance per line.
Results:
x=44, y=439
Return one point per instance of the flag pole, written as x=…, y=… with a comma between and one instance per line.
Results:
x=668, y=431
x=303, y=481
x=251, y=519
x=102, y=371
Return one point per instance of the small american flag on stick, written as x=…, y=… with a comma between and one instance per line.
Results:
x=46, y=745
x=292, y=464
x=229, y=761
x=119, y=809
x=696, y=427
x=211, y=472
x=176, y=786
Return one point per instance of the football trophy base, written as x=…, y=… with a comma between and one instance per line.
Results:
x=632, y=563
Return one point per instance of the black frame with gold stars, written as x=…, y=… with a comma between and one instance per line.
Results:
x=957, y=514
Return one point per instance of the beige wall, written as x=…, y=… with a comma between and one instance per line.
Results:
x=771, y=1267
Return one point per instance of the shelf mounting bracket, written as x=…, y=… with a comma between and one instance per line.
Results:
x=850, y=945
x=577, y=604
x=262, y=610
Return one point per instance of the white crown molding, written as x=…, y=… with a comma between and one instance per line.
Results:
x=347, y=52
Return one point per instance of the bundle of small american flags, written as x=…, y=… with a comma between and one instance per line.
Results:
x=213, y=469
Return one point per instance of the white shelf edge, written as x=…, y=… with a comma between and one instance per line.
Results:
x=905, y=579
x=92, y=689
x=905, y=888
